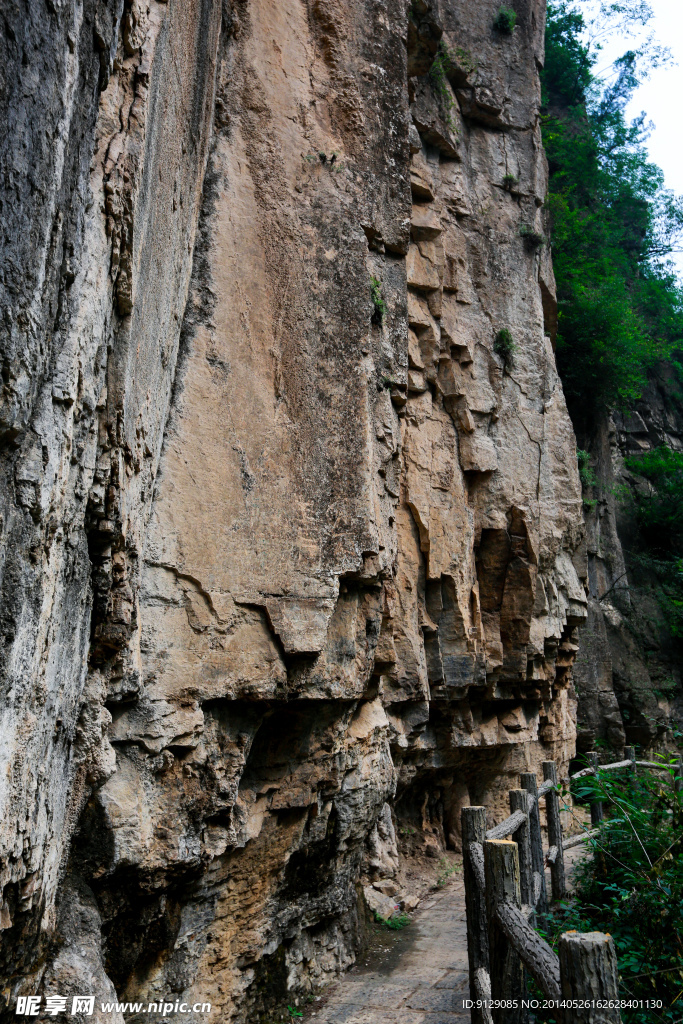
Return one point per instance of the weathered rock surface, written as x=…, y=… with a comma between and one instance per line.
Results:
x=628, y=668
x=283, y=566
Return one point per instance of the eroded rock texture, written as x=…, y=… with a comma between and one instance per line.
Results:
x=628, y=669
x=283, y=564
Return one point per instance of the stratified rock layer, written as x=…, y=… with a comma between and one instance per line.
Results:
x=292, y=543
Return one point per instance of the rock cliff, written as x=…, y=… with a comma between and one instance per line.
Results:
x=292, y=538
x=627, y=671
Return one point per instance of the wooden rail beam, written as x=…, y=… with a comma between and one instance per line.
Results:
x=507, y=827
x=535, y=952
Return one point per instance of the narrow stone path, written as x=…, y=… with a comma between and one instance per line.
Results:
x=420, y=976
x=423, y=980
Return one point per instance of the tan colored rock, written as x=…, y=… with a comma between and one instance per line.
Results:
x=291, y=553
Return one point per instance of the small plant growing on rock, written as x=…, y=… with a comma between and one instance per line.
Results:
x=505, y=21
x=509, y=181
x=380, y=306
x=504, y=346
x=394, y=923
x=442, y=65
x=532, y=238
x=588, y=479
x=586, y=472
x=446, y=873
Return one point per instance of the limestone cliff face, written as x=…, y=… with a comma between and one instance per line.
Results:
x=282, y=564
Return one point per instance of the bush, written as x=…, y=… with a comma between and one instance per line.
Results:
x=533, y=239
x=632, y=887
x=504, y=346
x=505, y=21
x=379, y=305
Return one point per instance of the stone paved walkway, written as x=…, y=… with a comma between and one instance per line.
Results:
x=423, y=980
x=420, y=976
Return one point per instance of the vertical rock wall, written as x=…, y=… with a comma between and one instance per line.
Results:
x=628, y=669
x=292, y=546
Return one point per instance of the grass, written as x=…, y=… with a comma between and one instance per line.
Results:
x=394, y=923
x=447, y=871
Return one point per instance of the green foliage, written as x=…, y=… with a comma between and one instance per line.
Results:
x=505, y=21
x=447, y=871
x=532, y=238
x=620, y=308
x=509, y=181
x=588, y=479
x=657, y=504
x=293, y=1012
x=394, y=923
x=504, y=346
x=380, y=306
x=586, y=472
x=444, y=64
x=632, y=887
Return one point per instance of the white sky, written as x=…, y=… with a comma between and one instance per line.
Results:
x=661, y=97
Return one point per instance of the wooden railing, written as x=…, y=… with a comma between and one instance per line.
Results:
x=505, y=889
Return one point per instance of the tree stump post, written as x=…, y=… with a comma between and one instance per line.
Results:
x=678, y=777
x=588, y=971
x=501, y=862
x=519, y=802
x=597, y=811
x=529, y=783
x=473, y=824
x=630, y=755
x=552, y=813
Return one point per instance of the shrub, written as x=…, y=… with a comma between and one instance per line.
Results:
x=504, y=346
x=632, y=887
x=532, y=238
x=586, y=472
x=509, y=181
x=379, y=305
x=442, y=65
x=505, y=21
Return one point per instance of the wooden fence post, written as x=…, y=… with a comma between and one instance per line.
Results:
x=552, y=812
x=502, y=885
x=519, y=802
x=473, y=825
x=597, y=812
x=588, y=973
x=630, y=755
x=529, y=783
